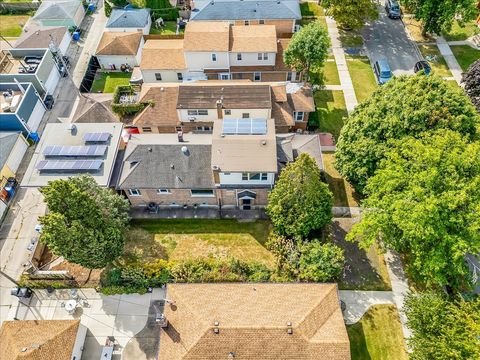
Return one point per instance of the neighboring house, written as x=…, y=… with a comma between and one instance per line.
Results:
x=281, y=13
x=218, y=51
x=197, y=106
x=93, y=108
x=119, y=48
x=36, y=66
x=129, y=20
x=253, y=321
x=21, y=108
x=60, y=13
x=42, y=339
x=35, y=37
x=67, y=150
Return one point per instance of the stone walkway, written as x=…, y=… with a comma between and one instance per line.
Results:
x=452, y=62
x=358, y=302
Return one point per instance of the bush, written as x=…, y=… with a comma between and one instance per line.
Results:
x=285, y=251
x=107, y=8
x=320, y=262
x=126, y=109
x=166, y=14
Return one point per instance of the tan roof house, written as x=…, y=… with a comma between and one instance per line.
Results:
x=42, y=340
x=163, y=60
x=207, y=36
x=253, y=321
x=119, y=48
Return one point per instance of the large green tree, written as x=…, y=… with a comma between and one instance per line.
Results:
x=320, y=262
x=471, y=80
x=407, y=105
x=424, y=201
x=308, y=48
x=438, y=15
x=443, y=329
x=300, y=202
x=352, y=14
x=85, y=223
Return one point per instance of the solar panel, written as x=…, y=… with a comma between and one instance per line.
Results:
x=69, y=165
x=87, y=151
x=96, y=137
x=245, y=126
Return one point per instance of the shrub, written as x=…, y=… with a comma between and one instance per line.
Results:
x=285, y=251
x=126, y=109
x=107, y=8
x=166, y=14
x=320, y=262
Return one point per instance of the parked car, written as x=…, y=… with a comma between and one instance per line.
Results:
x=422, y=65
x=382, y=71
x=49, y=101
x=392, y=7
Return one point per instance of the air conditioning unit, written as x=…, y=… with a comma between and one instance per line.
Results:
x=192, y=118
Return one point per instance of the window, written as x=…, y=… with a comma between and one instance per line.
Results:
x=146, y=129
x=254, y=176
x=265, y=56
x=158, y=76
x=245, y=176
x=228, y=112
x=202, y=193
x=247, y=22
x=180, y=76
x=259, y=56
x=245, y=115
x=204, y=128
x=257, y=76
x=197, y=112
x=163, y=191
x=202, y=112
x=261, y=22
x=239, y=56
x=264, y=176
x=289, y=76
x=299, y=116
x=134, y=192
x=214, y=57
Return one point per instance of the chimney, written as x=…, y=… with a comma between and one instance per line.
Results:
x=180, y=136
x=220, y=109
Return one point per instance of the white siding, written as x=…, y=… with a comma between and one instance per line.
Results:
x=52, y=80
x=236, y=179
x=117, y=60
x=63, y=46
x=17, y=154
x=3, y=209
x=183, y=115
x=254, y=113
x=79, y=342
x=197, y=61
x=167, y=75
x=251, y=59
x=36, y=116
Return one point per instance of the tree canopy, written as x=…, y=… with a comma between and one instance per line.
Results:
x=351, y=14
x=308, y=48
x=85, y=223
x=320, y=262
x=300, y=202
x=424, y=201
x=471, y=79
x=438, y=15
x=443, y=329
x=402, y=107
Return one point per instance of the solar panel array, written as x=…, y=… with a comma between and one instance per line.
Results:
x=86, y=151
x=96, y=137
x=245, y=126
x=69, y=165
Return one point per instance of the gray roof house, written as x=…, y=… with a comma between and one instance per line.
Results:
x=60, y=13
x=129, y=20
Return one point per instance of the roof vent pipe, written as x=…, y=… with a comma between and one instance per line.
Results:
x=185, y=151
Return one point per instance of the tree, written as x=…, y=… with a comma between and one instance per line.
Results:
x=471, y=79
x=442, y=329
x=351, y=14
x=308, y=48
x=85, y=223
x=404, y=106
x=300, y=202
x=139, y=4
x=438, y=15
x=320, y=262
x=424, y=201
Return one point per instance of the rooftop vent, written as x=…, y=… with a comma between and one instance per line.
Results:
x=185, y=151
x=231, y=355
x=216, y=330
x=216, y=323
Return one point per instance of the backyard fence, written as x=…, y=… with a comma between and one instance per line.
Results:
x=18, y=7
x=161, y=37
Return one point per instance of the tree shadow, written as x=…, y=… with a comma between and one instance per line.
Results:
x=358, y=343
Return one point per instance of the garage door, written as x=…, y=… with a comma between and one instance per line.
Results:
x=36, y=117
x=52, y=81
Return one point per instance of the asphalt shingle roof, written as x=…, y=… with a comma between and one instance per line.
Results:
x=128, y=18
x=57, y=10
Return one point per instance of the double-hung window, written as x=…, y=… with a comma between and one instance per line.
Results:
x=158, y=76
x=239, y=56
x=254, y=176
x=134, y=192
x=197, y=112
x=214, y=57
x=180, y=76
x=257, y=76
x=299, y=116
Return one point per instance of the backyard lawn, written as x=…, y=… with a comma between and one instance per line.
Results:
x=311, y=9
x=11, y=25
x=461, y=32
x=343, y=193
x=363, y=78
x=170, y=28
x=182, y=239
x=107, y=82
x=378, y=335
x=465, y=55
x=439, y=65
x=330, y=112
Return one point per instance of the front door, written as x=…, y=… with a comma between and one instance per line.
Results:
x=224, y=76
x=246, y=204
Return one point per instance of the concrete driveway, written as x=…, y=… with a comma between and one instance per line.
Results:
x=387, y=38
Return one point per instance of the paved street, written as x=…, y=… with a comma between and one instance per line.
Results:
x=387, y=38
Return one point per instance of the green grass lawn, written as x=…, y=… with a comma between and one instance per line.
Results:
x=322, y=20
x=311, y=9
x=11, y=25
x=461, y=32
x=378, y=335
x=169, y=29
x=350, y=38
x=363, y=78
x=183, y=239
x=343, y=193
x=107, y=82
x=326, y=75
x=330, y=112
x=439, y=66
x=466, y=55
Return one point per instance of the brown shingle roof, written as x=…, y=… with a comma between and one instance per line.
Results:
x=251, y=96
x=163, y=54
x=119, y=43
x=302, y=99
x=43, y=339
x=282, y=45
x=281, y=110
x=206, y=36
x=164, y=110
x=253, y=322
x=35, y=36
x=261, y=38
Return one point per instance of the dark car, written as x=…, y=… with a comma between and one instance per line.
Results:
x=392, y=7
x=422, y=65
x=49, y=101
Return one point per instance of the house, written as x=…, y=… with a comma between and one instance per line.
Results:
x=67, y=150
x=21, y=108
x=37, y=66
x=253, y=321
x=281, y=13
x=34, y=37
x=194, y=106
x=42, y=339
x=60, y=13
x=129, y=20
x=119, y=48
x=93, y=108
x=218, y=51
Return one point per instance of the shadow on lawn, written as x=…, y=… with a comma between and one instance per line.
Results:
x=358, y=344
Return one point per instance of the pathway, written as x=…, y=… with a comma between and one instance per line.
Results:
x=452, y=62
x=358, y=302
x=339, y=55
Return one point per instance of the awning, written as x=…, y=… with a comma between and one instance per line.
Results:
x=246, y=194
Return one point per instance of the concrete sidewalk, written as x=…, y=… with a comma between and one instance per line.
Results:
x=358, y=302
x=452, y=62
